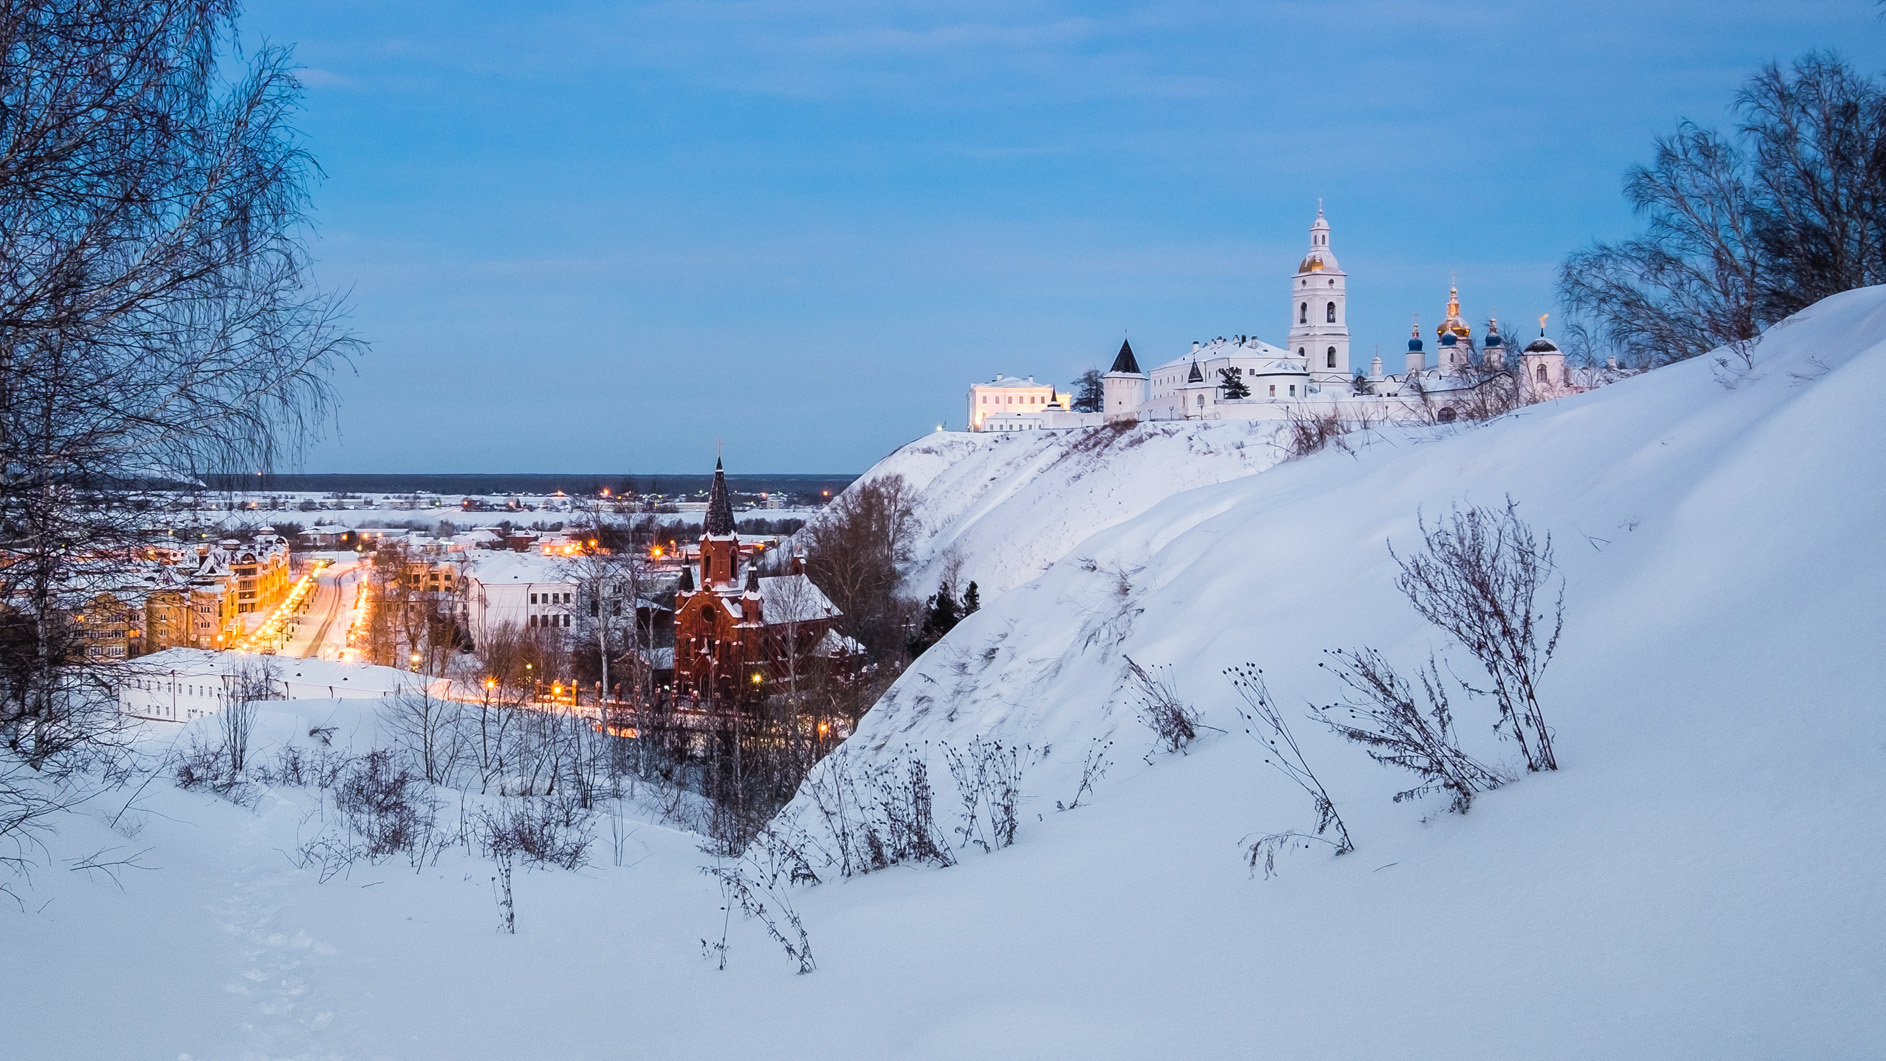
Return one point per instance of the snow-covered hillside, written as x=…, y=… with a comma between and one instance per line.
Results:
x=1702, y=878
x=1005, y=506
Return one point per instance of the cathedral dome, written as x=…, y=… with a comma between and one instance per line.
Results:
x=1542, y=345
x=1414, y=345
x=1448, y=338
x=1311, y=264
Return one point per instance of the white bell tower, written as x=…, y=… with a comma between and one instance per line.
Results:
x=1319, y=310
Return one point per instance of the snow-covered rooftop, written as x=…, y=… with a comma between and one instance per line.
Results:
x=503, y=567
x=1230, y=348
x=303, y=678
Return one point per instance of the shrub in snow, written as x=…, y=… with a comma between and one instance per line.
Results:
x=537, y=830
x=862, y=821
x=1309, y=432
x=758, y=895
x=1093, y=768
x=385, y=805
x=1174, y=721
x=988, y=778
x=430, y=731
x=1479, y=577
x=1283, y=754
x=206, y=765
x=1383, y=716
x=320, y=768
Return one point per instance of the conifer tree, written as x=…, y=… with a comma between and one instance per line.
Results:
x=1231, y=384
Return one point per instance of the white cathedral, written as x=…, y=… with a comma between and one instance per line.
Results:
x=1245, y=378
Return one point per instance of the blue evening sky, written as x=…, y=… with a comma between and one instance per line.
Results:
x=600, y=237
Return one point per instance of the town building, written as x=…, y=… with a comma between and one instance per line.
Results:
x=189, y=598
x=1009, y=401
x=179, y=684
x=530, y=591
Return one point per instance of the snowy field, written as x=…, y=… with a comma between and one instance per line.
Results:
x=1703, y=878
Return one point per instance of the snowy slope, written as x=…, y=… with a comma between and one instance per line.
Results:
x=1008, y=505
x=1703, y=878
x=1703, y=874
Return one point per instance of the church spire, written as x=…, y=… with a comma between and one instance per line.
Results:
x=1125, y=361
x=719, y=506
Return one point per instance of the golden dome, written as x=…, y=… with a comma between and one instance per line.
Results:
x=1311, y=264
x=1453, y=323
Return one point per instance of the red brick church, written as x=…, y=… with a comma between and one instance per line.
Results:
x=738, y=632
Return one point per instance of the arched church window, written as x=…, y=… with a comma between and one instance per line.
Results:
x=1542, y=376
x=1303, y=313
x=1300, y=351
x=1329, y=313
x=1447, y=415
x=1332, y=358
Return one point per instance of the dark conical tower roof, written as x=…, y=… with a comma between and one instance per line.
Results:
x=1195, y=376
x=1125, y=362
x=719, y=508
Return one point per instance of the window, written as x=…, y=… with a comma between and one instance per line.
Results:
x=1542, y=376
x=1303, y=313
x=1332, y=358
x=1329, y=313
x=1293, y=390
x=533, y=621
x=1273, y=390
x=533, y=598
x=1447, y=415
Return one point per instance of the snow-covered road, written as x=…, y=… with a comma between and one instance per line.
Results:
x=321, y=631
